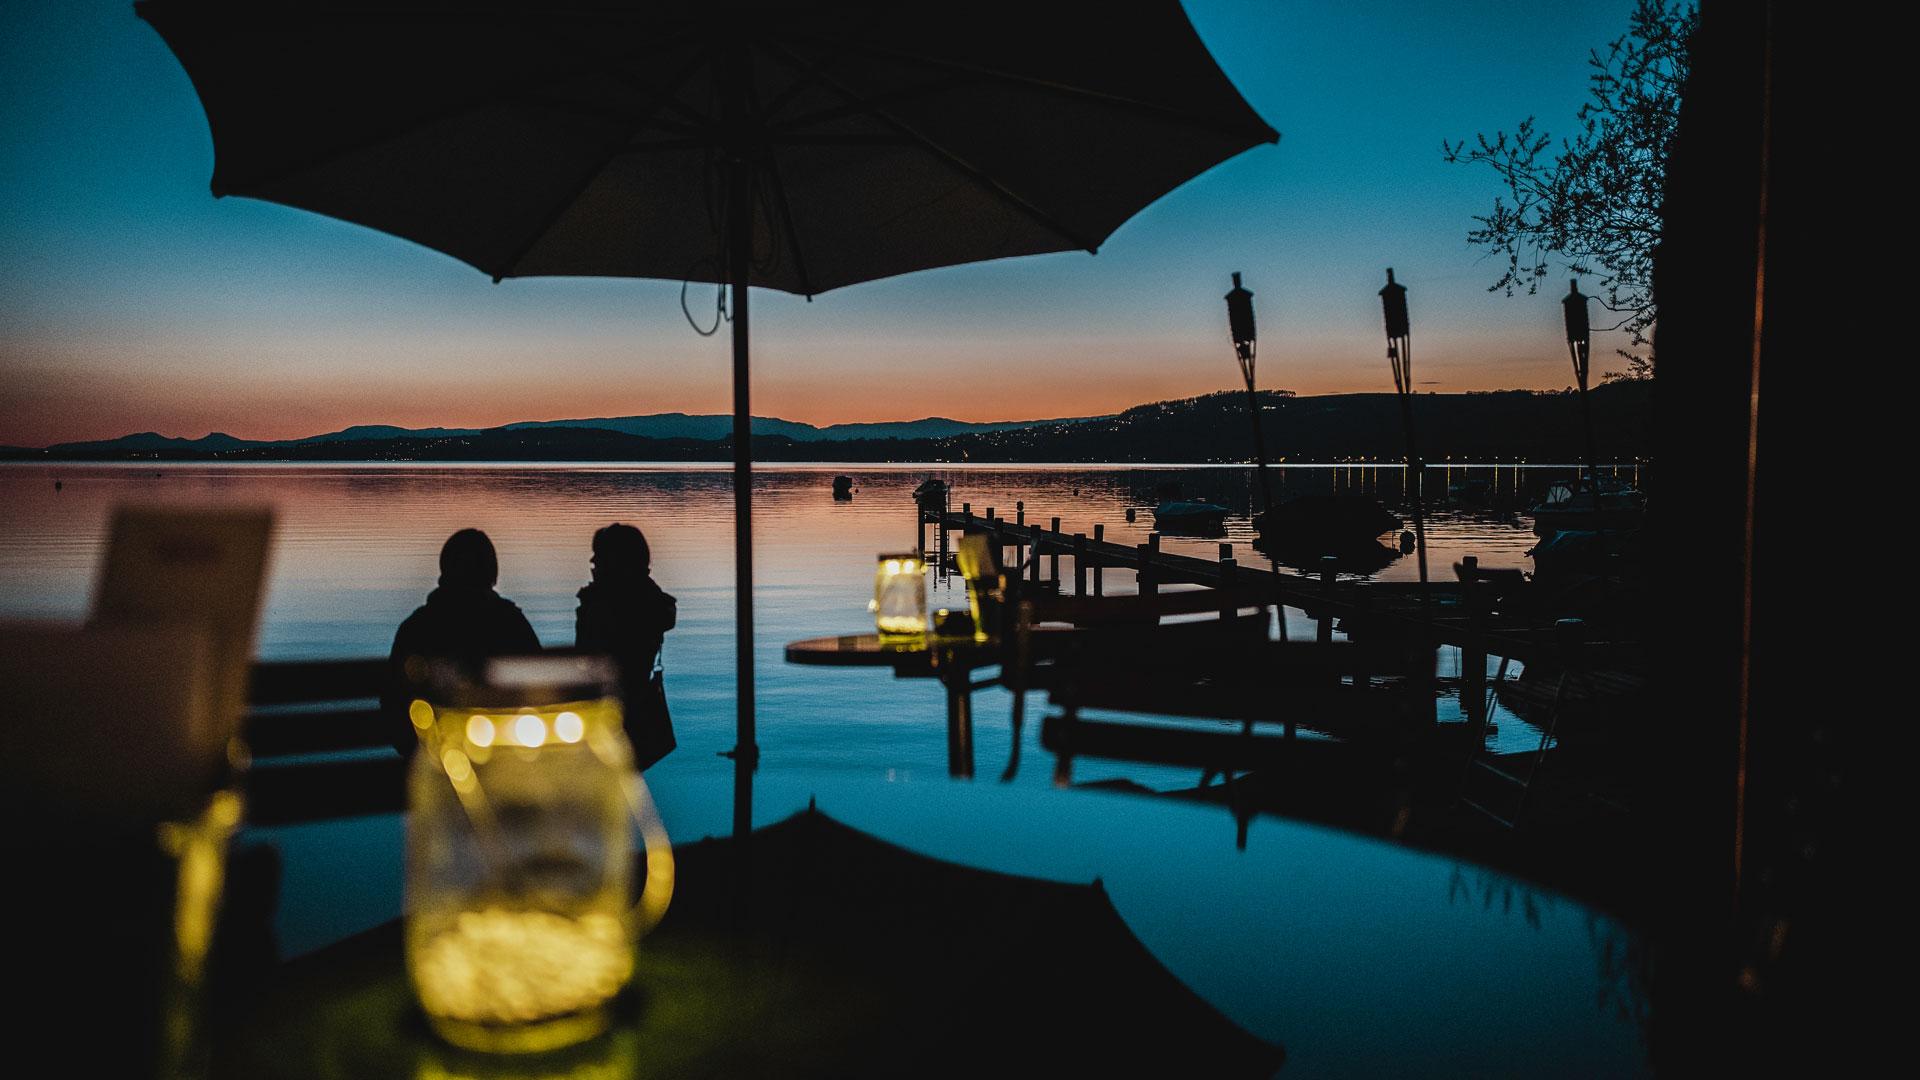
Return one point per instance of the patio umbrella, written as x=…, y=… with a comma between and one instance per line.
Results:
x=798, y=147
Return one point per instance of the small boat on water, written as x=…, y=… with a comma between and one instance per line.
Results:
x=1606, y=505
x=843, y=488
x=1332, y=522
x=1190, y=518
x=1475, y=493
x=1351, y=557
x=931, y=496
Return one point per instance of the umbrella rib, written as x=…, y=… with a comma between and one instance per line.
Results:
x=793, y=235
x=954, y=161
x=563, y=205
x=1260, y=130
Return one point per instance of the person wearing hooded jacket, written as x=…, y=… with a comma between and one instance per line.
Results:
x=463, y=620
x=625, y=614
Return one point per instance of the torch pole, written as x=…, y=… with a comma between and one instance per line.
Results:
x=1393, y=302
x=1259, y=436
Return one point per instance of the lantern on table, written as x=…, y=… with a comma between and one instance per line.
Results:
x=520, y=930
x=900, y=596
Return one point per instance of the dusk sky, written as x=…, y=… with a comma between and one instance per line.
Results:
x=132, y=300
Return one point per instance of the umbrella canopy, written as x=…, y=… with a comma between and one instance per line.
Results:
x=854, y=958
x=798, y=147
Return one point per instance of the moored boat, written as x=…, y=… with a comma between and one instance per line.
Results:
x=1190, y=518
x=1606, y=505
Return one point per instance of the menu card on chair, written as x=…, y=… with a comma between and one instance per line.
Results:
x=198, y=568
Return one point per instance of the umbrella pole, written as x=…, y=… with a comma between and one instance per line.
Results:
x=746, y=751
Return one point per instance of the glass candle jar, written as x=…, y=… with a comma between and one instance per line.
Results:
x=520, y=864
x=900, y=596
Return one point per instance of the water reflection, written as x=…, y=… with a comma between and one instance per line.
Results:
x=1622, y=960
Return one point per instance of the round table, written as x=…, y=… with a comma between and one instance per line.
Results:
x=1359, y=957
x=952, y=660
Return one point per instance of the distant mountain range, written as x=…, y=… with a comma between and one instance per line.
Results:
x=672, y=425
x=1510, y=424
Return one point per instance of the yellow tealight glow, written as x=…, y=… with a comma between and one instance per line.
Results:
x=421, y=714
x=457, y=766
x=480, y=731
x=529, y=730
x=568, y=727
x=893, y=566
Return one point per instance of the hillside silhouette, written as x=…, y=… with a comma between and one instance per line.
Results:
x=1510, y=424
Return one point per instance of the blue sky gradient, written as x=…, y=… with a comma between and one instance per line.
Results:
x=130, y=299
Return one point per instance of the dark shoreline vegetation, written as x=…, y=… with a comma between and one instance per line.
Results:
x=1506, y=424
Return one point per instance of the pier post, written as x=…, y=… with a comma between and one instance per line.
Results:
x=1473, y=653
x=1228, y=569
x=1020, y=513
x=1099, y=575
x=943, y=543
x=1148, y=587
x=1053, y=554
x=1079, y=564
x=1328, y=567
x=966, y=511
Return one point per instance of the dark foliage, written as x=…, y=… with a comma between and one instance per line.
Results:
x=1595, y=201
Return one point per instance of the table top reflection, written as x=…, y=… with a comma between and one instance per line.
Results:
x=1357, y=956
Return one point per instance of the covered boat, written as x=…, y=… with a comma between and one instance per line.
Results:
x=1190, y=518
x=1606, y=505
x=1330, y=522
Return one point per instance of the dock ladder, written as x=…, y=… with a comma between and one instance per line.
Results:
x=1570, y=632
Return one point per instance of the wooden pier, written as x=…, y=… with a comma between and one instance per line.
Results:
x=1464, y=613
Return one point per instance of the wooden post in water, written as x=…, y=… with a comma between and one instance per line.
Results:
x=1228, y=571
x=1079, y=564
x=1473, y=655
x=1053, y=554
x=1099, y=575
x=1328, y=567
x=1148, y=587
x=943, y=542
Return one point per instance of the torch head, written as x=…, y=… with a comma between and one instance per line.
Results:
x=1240, y=318
x=1575, y=308
x=1393, y=303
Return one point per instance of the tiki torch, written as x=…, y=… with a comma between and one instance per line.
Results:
x=1393, y=301
x=1578, y=343
x=1240, y=323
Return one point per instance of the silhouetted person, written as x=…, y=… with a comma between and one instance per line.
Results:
x=463, y=620
x=624, y=614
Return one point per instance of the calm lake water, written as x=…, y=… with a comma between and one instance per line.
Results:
x=355, y=552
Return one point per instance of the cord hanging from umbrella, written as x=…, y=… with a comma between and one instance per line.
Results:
x=1393, y=301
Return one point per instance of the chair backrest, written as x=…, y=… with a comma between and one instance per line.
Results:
x=979, y=560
